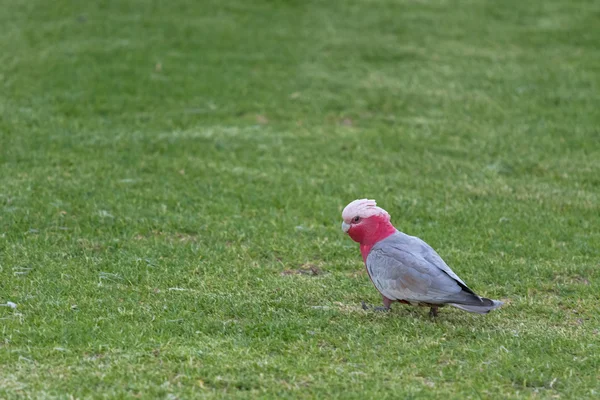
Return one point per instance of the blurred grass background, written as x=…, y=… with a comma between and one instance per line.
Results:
x=172, y=176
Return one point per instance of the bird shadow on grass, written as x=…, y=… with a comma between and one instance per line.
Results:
x=415, y=313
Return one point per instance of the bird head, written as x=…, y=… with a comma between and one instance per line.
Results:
x=366, y=223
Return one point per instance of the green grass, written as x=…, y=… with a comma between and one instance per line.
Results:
x=167, y=168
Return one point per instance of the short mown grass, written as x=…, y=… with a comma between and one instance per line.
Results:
x=172, y=176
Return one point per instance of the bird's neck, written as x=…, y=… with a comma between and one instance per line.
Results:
x=365, y=249
x=384, y=230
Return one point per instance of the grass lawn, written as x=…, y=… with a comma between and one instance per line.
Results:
x=172, y=176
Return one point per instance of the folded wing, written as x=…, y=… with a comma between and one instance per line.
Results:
x=403, y=267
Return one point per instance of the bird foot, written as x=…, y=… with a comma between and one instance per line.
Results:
x=367, y=307
x=433, y=312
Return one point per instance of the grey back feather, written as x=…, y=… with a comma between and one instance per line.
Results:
x=404, y=267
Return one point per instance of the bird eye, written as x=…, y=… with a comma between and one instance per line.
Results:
x=356, y=219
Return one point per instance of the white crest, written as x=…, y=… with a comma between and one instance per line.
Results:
x=362, y=208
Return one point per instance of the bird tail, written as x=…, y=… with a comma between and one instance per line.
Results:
x=484, y=307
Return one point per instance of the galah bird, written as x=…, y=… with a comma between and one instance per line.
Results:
x=404, y=268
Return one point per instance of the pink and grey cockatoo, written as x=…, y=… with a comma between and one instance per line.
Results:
x=404, y=268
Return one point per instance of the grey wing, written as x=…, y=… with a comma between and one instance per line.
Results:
x=431, y=256
x=400, y=274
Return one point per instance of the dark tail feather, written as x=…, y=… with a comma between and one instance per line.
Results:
x=484, y=307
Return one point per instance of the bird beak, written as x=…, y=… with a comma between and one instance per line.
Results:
x=345, y=227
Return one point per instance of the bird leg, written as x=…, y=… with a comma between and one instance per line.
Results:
x=387, y=303
x=433, y=312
